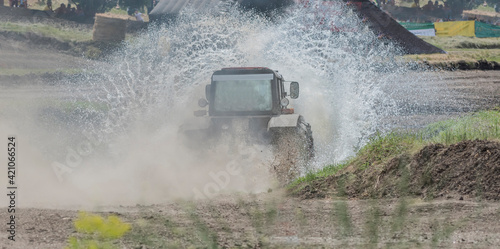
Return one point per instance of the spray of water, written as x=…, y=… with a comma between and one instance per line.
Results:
x=123, y=144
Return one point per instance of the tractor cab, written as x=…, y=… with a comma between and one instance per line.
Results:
x=248, y=91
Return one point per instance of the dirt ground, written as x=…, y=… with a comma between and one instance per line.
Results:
x=275, y=219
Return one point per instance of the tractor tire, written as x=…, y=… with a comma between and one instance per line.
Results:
x=293, y=150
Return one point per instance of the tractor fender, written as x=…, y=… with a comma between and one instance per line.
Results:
x=282, y=121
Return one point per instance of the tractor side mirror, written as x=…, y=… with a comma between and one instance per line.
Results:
x=207, y=91
x=294, y=89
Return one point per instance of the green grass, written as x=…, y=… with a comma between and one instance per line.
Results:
x=64, y=34
x=483, y=125
x=461, y=48
x=118, y=12
x=382, y=147
x=322, y=173
x=485, y=8
x=462, y=42
x=24, y=71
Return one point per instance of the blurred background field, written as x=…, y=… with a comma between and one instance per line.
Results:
x=461, y=48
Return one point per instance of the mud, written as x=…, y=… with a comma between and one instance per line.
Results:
x=466, y=170
x=469, y=169
x=464, y=65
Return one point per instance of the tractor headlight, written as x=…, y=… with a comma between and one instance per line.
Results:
x=284, y=102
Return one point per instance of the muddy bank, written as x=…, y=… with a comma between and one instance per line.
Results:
x=463, y=65
x=466, y=170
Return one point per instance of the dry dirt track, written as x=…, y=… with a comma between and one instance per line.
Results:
x=273, y=221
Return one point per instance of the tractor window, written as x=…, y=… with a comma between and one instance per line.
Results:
x=236, y=93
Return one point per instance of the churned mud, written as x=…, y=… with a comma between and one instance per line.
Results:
x=466, y=170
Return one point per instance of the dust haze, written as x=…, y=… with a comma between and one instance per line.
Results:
x=60, y=168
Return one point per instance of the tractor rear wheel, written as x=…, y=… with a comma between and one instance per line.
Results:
x=293, y=149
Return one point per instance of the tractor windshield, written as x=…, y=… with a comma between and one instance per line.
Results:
x=242, y=93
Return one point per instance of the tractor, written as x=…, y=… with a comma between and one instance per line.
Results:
x=252, y=103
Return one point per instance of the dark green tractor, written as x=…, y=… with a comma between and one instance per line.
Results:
x=252, y=103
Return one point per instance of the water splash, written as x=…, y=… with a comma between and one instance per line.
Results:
x=141, y=94
x=342, y=73
x=341, y=64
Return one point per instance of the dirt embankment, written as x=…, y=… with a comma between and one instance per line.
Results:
x=464, y=65
x=466, y=170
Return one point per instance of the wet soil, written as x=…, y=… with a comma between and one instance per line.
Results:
x=470, y=169
x=466, y=170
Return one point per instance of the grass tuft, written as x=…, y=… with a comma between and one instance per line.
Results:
x=469, y=49
x=383, y=147
x=482, y=125
x=329, y=170
x=110, y=228
x=75, y=243
x=64, y=34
